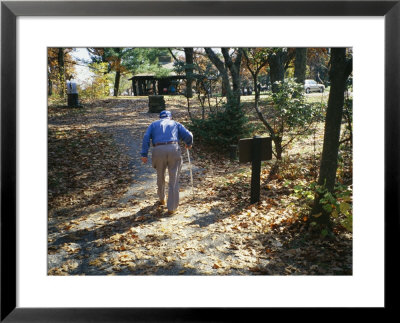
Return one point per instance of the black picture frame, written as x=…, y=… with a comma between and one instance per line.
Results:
x=10, y=10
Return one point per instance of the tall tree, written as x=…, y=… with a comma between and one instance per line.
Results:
x=49, y=82
x=300, y=65
x=189, y=71
x=340, y=69
x=276, y=67
x=61, y=71
x=114, y=57
x=289, y=110
x=229, y=67
x=317, y=62
x=279, y=60
x=118, y=65
x=255, y=60
x=60, y=67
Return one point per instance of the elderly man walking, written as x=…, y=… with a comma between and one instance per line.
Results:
x=165, y=135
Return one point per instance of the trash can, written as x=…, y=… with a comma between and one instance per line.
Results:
x=156, y=103
x=72, y=92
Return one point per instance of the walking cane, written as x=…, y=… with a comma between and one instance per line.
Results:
x=190, y=168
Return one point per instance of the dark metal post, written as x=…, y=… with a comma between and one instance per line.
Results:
x=255, y=169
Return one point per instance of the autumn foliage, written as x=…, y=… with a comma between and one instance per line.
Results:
x=103, y=213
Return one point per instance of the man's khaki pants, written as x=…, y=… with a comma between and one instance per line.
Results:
x=163, y=157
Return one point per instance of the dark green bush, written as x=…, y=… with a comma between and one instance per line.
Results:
x=222, y=128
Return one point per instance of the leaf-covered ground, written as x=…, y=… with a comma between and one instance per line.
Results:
x=103, y=217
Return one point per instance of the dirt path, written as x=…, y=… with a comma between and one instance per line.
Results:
x=136, y=236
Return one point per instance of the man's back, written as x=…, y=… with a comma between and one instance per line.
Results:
x=164, y=130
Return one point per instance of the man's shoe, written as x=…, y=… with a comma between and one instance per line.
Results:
x=162, y=202
x=171, y=212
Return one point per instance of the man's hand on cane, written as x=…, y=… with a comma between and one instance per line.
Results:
x=144, y=160
x=188, y=147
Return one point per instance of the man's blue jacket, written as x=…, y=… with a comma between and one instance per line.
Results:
x=165, y=130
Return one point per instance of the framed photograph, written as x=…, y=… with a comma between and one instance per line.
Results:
x=31, y=31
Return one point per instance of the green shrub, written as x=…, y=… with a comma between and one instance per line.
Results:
x=291, y=107
x=222, y=128
x=338, y=204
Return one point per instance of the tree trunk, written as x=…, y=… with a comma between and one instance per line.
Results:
x=232, y=93
x=235, y=99
x=339, y=72
x=300, y=65
x=189, y=71
x=223, y=90
x=278, y=147
x=222, y=70
x=188, y=108
x=50, y=88
x=277, y=68
x=61, y=72
x=116, y=82
x=49, y=83
x=234, y=69
x=226, y=91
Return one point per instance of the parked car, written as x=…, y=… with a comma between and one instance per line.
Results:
x=312, y=86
